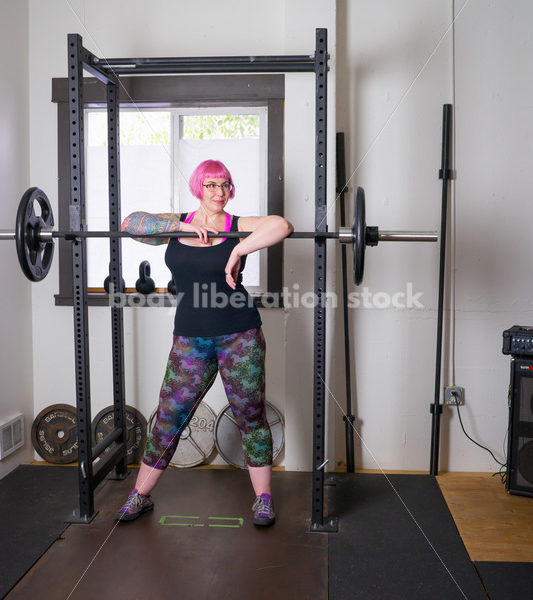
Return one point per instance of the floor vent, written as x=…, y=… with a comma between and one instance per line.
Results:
x=11, y=436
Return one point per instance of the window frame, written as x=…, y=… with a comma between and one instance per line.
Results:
x=170, y=92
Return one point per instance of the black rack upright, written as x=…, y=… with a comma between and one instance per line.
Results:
x=89, y=476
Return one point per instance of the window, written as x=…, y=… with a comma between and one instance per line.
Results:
x=163, y=138
x=159, y=150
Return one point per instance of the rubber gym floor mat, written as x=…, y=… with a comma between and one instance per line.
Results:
x=34, y=502
x=505, y=580
x=198, y=543
x=396, y=539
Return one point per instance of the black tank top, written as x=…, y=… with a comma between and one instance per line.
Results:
x=207, y=306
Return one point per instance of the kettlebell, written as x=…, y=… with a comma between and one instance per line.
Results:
x=171, y=287
x=107, y=282
x=145, y=284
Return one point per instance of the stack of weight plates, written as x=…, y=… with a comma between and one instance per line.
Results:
x=54, y=433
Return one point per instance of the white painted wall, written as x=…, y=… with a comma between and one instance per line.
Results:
x=169, y=28
x=395, y=71
x=16, y=364
x=392, y=70
x=494, y=220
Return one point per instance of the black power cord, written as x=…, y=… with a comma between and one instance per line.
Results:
x=502, y=471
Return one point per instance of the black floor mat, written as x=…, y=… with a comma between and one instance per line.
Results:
x=34, y=500
x=505, y=580
x=396, y=539
x=198, y=543
x=396, y=536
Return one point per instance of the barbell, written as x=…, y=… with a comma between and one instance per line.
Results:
x=34, y=236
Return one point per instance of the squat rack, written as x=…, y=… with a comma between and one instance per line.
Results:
x=107, y=71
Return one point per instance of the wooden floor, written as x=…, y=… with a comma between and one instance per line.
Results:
x=494, y=525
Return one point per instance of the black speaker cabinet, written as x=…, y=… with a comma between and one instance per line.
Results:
x=520, y=448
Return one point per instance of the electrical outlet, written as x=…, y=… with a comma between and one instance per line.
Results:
x=454, y=395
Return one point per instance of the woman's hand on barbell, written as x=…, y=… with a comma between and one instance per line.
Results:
x=200, y=230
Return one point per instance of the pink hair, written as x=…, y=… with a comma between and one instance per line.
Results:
x=206, y=169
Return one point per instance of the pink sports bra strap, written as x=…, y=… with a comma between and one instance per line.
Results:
x=227, y=225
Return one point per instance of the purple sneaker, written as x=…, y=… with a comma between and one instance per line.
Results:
x=263, y=510
x=134, y=507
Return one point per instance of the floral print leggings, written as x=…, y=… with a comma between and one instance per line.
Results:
x=191, y=369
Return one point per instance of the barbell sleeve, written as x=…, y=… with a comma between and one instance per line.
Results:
x=408, y=236
x=45, y=235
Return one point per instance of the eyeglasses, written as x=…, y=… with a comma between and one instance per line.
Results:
x=224, y=187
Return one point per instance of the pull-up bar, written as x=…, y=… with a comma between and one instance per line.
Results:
x=208, y=64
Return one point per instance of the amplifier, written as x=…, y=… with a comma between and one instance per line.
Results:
x=518, y=341
x=520, y=446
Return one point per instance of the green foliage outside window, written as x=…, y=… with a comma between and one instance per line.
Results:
x=212, y=127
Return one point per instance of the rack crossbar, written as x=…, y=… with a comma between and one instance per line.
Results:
x=143, y=69
x=186, y=60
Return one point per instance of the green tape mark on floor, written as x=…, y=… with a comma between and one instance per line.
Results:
x=163, y=521
x=239, y=520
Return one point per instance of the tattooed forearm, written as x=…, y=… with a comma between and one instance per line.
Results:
x=143, y=222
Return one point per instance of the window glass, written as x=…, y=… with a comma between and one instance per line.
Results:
x=158, y=151
x=213, y=127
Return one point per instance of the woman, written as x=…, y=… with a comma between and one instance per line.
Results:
x=216, y=329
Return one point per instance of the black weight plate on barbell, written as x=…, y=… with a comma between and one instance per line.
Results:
x=359, y=236
x=103, y=424
x=35, y=257
x=54, y=434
